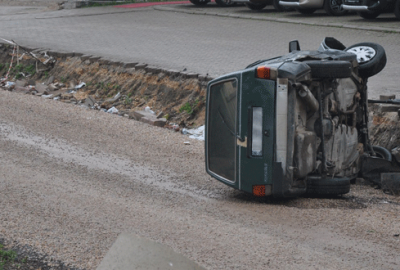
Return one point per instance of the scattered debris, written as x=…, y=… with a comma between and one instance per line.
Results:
x=197, y=133
x=148, y=117
x=175, y=127
x=90, y=102
x=147, y=109
x=112, y=110
x=81, y=85
x=10, y=85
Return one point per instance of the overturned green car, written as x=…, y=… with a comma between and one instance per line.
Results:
x=295, y=124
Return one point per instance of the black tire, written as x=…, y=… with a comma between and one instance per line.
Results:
x=327, y=186
x=333, y=7
x=199, y=3
x=253, y=6
x=278, y=7
x=382, y=152
x=225, y=3
x=397, y=9
x=369, y=15
x=306, y=11
x=374, y=65
x=329, y=69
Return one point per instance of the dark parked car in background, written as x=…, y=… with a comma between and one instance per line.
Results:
x=370, y=9
x=222, y=3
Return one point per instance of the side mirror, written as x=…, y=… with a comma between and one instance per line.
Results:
x=294, y=45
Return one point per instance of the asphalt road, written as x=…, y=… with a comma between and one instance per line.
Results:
x=200, y=43
x=73, y=179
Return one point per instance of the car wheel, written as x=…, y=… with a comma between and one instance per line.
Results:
x=397, y=9
x=278, y=7
x=369, y=15
x=225, y=3
x=306, y=11
x=253, y=6
x=371, y=58
x=382, y=152
x=329, y=69
x=199, y=2
x=328, y=186
x=333, y=7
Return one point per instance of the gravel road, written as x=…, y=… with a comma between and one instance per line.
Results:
x=73, y=179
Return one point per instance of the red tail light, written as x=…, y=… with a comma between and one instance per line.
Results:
x=259, y=190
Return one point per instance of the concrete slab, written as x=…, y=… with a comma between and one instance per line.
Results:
x=133, y=252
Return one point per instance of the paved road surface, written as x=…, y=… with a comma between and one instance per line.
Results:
x=202, y=44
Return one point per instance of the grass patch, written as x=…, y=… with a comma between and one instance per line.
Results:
x=20, y=70
x=6, y=256
x=189, y=107
x=128, y=100
x=30, y=69
x=167, y=116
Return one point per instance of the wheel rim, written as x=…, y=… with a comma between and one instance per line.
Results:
x=336, y=5
x=364, y=53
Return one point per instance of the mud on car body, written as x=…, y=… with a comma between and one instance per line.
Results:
x=293, y=124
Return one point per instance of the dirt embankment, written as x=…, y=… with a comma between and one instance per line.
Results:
x=176, y=96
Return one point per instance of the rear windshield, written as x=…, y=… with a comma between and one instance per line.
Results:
x=221, y=137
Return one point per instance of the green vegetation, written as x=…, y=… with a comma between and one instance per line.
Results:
x=100, y=85
x=189, y=107
x=30, y=69
x=127, y=100
x=6, y=256
x=20, y=70
x=63, y=80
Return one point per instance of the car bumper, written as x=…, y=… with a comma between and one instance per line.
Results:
x=302, y=4
x=355, y=8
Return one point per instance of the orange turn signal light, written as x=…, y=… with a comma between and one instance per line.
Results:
x=259, y=190
x=263, y=72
